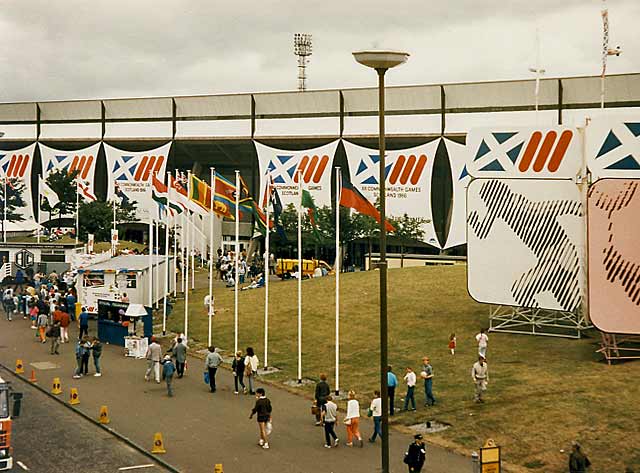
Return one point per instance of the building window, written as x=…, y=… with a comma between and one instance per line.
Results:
x=94, y=280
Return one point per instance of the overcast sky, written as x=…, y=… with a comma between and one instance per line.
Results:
x=68, y=49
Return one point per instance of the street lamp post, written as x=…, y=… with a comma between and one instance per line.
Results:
x=381, y=61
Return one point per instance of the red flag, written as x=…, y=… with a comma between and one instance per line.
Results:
x=352, y=198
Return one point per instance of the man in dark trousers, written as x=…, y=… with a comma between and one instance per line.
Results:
x=84, y=323
x=180, y=353
x=392, y=382
x=416, y=454
x=578, y=461
x=322, y=393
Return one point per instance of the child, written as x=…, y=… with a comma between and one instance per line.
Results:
x=452, y=343
x=33, y=312
x=168, y=368
x=263, y=409
x=329, y=418
x=238, y=372
x=410, y=379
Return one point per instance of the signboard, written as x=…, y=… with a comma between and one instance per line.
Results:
x=490, y=457
x=612, y=147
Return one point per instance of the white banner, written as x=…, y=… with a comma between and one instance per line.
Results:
x=533, y=153
x=83, y=160
x=16, y=166
x=613, y=148
x=283, y=166
x=132, y=171
x=526, y=243
x=408, y=181
x=457, y=154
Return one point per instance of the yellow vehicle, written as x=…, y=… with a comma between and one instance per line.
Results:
x=285, y=268
x=6, y=460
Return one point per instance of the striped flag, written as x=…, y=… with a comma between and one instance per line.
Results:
x=352, y=198
x=224, y=197
x=200, y=193
x=48, y=193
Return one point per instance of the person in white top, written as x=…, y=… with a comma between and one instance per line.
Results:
x=480, y=376
x=483, y=340
x=250, y=368
x=410, y=379
x=352, y=420
x=376, y=413
x=209, y=299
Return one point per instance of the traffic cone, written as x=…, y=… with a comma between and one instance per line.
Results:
x=73, y=397
x=57, y=387
x=33, y=377
x=19, y=366
x=158, y=444
x=104, y=415
x=218, y=468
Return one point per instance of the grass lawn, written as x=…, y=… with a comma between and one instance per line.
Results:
x=544, y=392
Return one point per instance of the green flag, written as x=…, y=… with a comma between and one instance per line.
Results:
x=312, y=211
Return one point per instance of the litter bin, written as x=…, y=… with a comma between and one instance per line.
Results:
x=17, y=404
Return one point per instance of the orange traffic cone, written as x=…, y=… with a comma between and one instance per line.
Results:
x=33, y=377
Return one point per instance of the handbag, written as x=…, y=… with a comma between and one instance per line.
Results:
x=269, y=428
x=315, y=410
x=347, y=422
x=369, y=412
x=206, y=377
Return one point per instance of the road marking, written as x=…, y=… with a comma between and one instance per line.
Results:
x=136, y=467
x=23, y=466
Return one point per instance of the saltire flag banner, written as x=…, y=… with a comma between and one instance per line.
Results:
x=200, y=193
x=312, y=211
x=408, y=175
x=83, y=161
x=352, y=198
x=224, y=198
x=314, y=165
x=15, y=166
x=457, y=155
x=612, y=147
x=133, y=172
x=48, y=193
x=531, y=153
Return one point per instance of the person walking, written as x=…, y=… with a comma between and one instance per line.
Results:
x=96, y=351
x=180, y=353
x=480, y=376
x=211, y=363
x=65, y=321
x=322, y=392
x=483, y=340
x=416, y=454
x=43, y=320
x=375, y=410
x=54, y=334
x=237, y=366
x=452, y=343
x=392, y=382
x=153, y=356
x=262, y=409
x=427, y=375
x=578, y=461
x=7, y=302
x=329, y=419
x=410, y=379
x=84, y=323
x=86, y=354
x=251, y=368
x=352, y=420
x=167, y=373
x=78, y=352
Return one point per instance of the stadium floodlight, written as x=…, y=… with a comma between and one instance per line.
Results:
x=381, y=61
x=302, y=47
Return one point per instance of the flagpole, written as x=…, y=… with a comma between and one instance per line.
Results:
x=299, y=277
x=192, y=264
x=186, y=266
x=237, y=259
x=4, y=208
x=338, y=261
x=77, y=208
x=175, y=252
x=150, y=257
x=39, y=212
x=210, y=308
x=156, y=239
x=266, y=275
x=166, y=258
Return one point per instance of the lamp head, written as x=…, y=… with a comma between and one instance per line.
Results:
x=380, y=59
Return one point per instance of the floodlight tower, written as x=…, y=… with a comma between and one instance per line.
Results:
x=302, y=48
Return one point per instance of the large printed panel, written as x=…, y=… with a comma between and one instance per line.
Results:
x=457, y=154
x=613, y=148
x=408, y=181
x=525, y=243
x=551, y=153
x=614, y=255
x=16, y=166
x=132, y=173
x=314, y=165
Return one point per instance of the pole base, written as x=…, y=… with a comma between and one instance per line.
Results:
x=299, y=381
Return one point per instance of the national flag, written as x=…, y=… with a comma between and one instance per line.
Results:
x=181, y=197
x=249, y=205
x=124, y=199
x=85, y=193
x=312, y=211
x=224, y=197
x=48, y=193
x=352, y=198
x=277, y=209
x=200, y=193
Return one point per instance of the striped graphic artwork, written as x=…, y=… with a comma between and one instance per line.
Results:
x=536, y=225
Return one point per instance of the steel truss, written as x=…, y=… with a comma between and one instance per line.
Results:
x=619, y=347
x=532, y=321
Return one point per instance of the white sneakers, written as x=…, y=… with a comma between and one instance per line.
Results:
x=266, y=446
x=97, y=375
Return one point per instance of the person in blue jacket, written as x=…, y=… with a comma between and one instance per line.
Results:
x=392, y=382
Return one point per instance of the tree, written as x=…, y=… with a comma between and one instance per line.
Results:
x=62, y=183
x=97, y=217
x=14, y=201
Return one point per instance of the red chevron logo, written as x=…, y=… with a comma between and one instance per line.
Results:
x=311, y=168
x=549, y=151
x=407, y=169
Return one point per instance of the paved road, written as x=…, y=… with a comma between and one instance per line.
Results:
x=48, y=437
x=201, y=429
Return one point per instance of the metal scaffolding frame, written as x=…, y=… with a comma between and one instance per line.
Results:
x=616, y=347
x=535, y=321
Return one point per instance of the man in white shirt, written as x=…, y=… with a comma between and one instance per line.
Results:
x=410, y=379
x=209, y=300
x=483, y=341
x=480, y=375
x=376, y=413
x=154, y=355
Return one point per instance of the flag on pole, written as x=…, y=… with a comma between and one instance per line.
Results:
x=124, y=199
x=312, y=211
x=224, y=197
x=200, y=193
x=277, y=208
x=352, y=198
x=85, y=192
x=48, y=193
x=182, y=197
